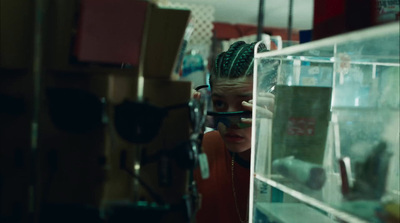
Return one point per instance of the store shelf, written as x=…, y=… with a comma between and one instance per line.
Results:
x=289, y=212
x=311, y=201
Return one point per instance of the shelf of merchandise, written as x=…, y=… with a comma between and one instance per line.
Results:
x=354, y=82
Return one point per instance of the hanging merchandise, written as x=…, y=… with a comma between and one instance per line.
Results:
x=193, y=68
x=186, y=38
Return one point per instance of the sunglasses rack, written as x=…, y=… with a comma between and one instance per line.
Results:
x=75, y=141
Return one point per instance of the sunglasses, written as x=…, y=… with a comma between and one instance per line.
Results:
x=185, y=153
x=230, y=119
x=76, y=110
x=139, y=122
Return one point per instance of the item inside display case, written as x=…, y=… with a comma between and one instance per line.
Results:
x=311, y=175
x=300, y=122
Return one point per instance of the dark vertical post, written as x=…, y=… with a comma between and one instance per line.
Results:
x=260, y=20
x=37, y=72
x=289, y=33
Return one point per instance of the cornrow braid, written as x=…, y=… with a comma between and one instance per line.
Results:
x=245, y=60
x=230, y=56
x=236, y=62
x=218, y=63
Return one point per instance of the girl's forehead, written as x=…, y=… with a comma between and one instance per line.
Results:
x=226, y=86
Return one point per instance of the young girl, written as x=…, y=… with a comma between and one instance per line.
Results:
x=225, y=194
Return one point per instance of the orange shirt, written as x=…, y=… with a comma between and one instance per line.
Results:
x=217, y=200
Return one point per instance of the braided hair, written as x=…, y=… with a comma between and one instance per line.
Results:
x=236, y=62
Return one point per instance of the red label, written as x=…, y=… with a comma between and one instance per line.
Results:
x=301, y=126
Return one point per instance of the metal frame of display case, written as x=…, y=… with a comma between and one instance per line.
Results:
x=325, y=51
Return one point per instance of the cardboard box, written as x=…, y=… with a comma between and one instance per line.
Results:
x=16, y=33
x=60, y=33
x=111, y=31
x=173, y=130
x=72, y=164
x=164, y=38
x=15, y=147
x=85, y=168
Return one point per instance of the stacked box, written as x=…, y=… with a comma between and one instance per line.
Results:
x=15, y=147
x=16, y=34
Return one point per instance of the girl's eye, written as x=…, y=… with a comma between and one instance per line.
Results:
x=219, y=105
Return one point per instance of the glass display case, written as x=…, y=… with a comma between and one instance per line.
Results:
x=330, y=152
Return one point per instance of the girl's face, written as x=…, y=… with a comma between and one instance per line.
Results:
x=227, y=96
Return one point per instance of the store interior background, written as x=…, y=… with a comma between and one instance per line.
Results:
x=276, y=14
x=219, y=23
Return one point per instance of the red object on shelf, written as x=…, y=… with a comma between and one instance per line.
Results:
x=332, y=17
x=110, y=31
x=226, y=31
x=301, y=126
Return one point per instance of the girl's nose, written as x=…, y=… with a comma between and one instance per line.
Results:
x=230, y=109
x=233, y=109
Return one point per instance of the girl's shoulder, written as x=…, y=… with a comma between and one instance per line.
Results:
x=213, y=144
x=212, y=139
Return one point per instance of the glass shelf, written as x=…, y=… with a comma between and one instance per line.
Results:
x=332, y=145
x=310, y=200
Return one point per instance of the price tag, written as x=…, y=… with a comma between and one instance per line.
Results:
x=204, y=169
